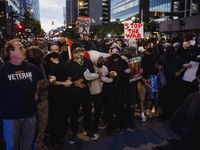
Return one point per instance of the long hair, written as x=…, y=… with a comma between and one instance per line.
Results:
x=36, y=54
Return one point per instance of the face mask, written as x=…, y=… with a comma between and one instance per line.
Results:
x=79, y=56
x=192, y=43
x=115, y=56
x=54, y=55
x=99, y=65
x=150, y=49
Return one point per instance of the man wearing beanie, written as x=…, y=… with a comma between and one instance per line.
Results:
x=188, y=52
x=171, y=65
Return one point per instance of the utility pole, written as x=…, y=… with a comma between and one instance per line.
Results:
x=12, y=15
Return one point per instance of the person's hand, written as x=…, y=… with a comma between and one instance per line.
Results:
x=82, y=86
x=36, y=98
x=188, y=65
x=52, y=79
x=177, y=74
x=81, y=36
x=127, y=70
x=66, y=40
x=113, y=74
x=160, y=67
x=146, y=82
x=141, y=70
x=67, y=83
x=100, y=74
x=78, y=82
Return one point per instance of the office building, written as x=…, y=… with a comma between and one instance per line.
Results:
x=98, y=10
x=125, y=10
x=32, y=6
x=6, y=26
x=188, y=20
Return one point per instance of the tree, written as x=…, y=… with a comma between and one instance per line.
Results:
x=30, y=23
x=113, y=28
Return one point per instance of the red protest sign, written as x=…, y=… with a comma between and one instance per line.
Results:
x=133, y=30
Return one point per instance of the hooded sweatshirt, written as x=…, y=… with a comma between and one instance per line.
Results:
x=95, y=83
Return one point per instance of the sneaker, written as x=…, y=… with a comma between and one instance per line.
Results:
x=153, y=110
x=96, y=135
x=149, y=116
x=73, y=139
x=143, y=119
x=91, y=136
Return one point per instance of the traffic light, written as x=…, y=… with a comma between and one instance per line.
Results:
x=52, y=22
x=20, y=26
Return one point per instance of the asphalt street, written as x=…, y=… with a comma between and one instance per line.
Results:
x=143, y=137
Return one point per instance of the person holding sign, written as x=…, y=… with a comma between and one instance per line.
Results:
x=149, y=68
x=135, y=75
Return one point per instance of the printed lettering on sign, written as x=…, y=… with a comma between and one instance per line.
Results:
x=133, y=30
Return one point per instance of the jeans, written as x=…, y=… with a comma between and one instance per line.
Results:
x=12, y=128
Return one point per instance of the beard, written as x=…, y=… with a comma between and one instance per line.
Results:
x=79, y=57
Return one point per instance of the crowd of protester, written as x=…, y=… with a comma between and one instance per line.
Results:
x=41, y=88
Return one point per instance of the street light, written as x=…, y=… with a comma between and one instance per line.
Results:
x=81, y=3
x=133, y=18
x=109, y=35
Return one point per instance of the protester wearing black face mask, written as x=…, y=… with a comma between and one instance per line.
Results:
x=117, y=66
x=149, y=68
x=58, y=96
x=96, y=83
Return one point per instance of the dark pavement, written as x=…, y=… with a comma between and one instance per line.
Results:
x=143, y=137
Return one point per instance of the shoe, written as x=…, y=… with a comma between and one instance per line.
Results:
x=153, y=110
x=96, y=135
x=149, y=116
x=119, y=129
x=143, y=119
x=132, y=125
x=91, y=136
x=73, y=139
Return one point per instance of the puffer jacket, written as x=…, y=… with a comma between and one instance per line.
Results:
x=95, y=83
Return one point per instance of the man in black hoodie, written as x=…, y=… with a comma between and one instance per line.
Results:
x=171, y=64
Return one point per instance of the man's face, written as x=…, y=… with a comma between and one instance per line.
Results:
x=19, y=52
x=40, y=42
x=54, y=48
x=119, y=43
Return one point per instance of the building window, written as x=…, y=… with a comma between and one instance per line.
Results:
x=175, y=6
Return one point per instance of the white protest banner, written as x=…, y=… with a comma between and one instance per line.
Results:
x=133, y=30
x=83, y=25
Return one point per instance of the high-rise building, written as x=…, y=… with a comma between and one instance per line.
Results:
x=6, y=26
x=98, y=10
x=32, y=6
x=123, y=10
x=64, y=16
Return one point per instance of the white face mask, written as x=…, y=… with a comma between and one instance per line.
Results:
x=192, y=43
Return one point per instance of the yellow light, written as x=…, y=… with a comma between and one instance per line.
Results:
x=155, y=32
